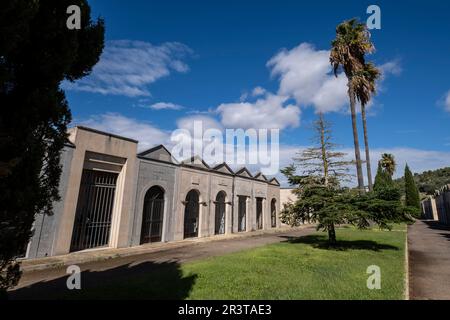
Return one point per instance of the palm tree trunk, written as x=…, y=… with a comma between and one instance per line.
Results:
x=366, y=147
x=356, y=141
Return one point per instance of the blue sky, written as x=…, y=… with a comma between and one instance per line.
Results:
x=185, y=59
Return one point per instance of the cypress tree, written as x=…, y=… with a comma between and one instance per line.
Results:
x=411, y=192
x=382, y=179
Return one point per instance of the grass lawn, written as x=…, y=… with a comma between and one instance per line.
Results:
x=301, y=268
x=305, y=269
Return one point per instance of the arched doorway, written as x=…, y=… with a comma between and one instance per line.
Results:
x=273, y=213
x=191, y=215
x=220, y=213
x=153, y=215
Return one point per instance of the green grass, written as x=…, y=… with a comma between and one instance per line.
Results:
x=306, y=268
x=302, y=268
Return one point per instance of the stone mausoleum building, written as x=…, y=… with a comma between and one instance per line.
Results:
x=112, y=197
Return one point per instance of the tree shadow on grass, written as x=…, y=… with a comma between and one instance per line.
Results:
x=321, y=242
x=144, y=281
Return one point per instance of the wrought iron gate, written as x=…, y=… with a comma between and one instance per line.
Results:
x=152, y=219
x=94, y=210
x=220, y=214
x=259, y=208
x=191, y=215
x=242, y=214
x=273, y=212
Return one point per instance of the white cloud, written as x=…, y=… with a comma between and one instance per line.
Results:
x=187, y=123
x=147, y=134
x=164, y=106
x=391, y=67
x=447, y=101
x=128, y=67
x=306, y=74
x=258, y=91
x=269, y=112
x=418, y=160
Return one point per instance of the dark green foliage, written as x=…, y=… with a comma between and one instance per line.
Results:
x=329, y=206
x=37, y=52
x=383, y=179
x=412, y=197
x=429, y=181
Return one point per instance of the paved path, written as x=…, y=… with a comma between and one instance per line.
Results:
x=36, y=283
x=429, y=260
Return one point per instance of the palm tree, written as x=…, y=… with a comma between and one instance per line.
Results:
x=348, y=49
x=364, y=84
x=388, y=163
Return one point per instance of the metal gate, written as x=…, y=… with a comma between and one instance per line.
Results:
x=94, y=210
x=242, y=214
x=273, y=211
x=220, y=213
x=191, y=215
x=152, y=219
x=259, y=208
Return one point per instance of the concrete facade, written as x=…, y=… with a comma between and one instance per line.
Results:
x=96, y=151
x=437, y=207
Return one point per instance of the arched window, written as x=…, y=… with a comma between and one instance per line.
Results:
x=153, y=215
x=220, y=213
x=191, y=215
x=273, y=213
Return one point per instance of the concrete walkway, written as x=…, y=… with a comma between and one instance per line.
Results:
x=429, y=260
x=49, y=273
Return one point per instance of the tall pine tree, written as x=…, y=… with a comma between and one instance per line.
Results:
x=320, y=196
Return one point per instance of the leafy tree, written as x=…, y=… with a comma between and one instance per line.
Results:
x=348, y=52
x=37, y=53
x=320, y=197
x=364, y=82
x=412, y=197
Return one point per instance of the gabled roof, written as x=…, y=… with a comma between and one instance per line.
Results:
x=223, y=167
x=159, y=153
x=196, y=161
x=260, y=176
x=244, y=172
x=275, y=182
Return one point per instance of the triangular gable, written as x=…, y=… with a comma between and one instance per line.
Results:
x=260, y=176
x=274, y=181
x=244, y=173
x=224, y=168
x=157, y=153
x=196, y=161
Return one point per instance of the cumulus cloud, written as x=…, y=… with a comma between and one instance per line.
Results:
x=188, y=123
x=306, y=74
x=268, y=112
x=147, y=134
x=128, y=67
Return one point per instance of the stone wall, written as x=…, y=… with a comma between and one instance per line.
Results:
x=437, y=207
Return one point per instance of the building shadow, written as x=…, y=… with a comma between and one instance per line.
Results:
x=321, y=242
x=432, y=224
x=144, y=281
